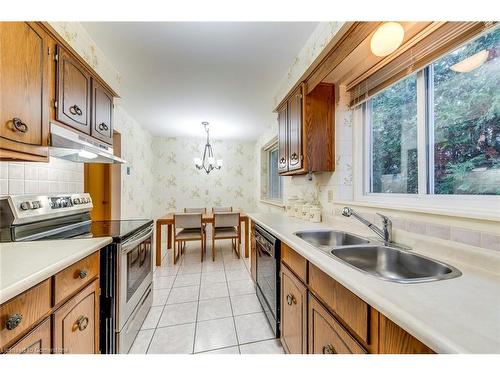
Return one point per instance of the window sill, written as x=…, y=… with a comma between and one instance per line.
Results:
x=443, y=207
x=275, y=203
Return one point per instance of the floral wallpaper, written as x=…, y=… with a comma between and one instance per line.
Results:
x=178, y=183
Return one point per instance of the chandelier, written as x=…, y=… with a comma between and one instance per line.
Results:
x=208, y=162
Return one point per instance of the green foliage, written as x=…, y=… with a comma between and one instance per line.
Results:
x=466, y=117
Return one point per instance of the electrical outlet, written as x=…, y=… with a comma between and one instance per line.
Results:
x=128, y=171
x=330, y=196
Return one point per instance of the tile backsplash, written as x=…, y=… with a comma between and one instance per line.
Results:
x=57, y=176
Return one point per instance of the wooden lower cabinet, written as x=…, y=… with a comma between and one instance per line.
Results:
x=38, y=341
x=293, y=324
x=76, y=323
x=326, y=335
x=395, y=340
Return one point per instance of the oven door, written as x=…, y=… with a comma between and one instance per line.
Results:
x=135, y=273
x=267, y=273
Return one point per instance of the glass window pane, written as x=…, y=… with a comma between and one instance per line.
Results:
x=466, y=110
x=274, y=177
x=393, y=120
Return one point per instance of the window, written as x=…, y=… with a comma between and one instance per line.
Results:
x=437, y=131
x=271, y=188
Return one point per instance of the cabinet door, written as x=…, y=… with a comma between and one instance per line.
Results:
x=326, y=334
x=35, y=342
x=23, y=88
x=76, y=323
x=73, y=92
x=295, y=156
x=293, y=313
x=102, y=113
x=395, y=340
x=283, y=140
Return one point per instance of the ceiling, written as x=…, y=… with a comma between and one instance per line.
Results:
x=178, y=74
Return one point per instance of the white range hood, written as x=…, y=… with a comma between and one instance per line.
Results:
x=68, y=145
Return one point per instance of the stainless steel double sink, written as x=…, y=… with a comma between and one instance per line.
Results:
x=384, y=262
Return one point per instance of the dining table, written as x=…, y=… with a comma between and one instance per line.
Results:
x=206, y=218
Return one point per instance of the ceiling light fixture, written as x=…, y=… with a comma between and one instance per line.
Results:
x=208, y=162
x=472, y=62
x=387, y=38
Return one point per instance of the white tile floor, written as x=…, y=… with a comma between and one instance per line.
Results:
x=206, y=308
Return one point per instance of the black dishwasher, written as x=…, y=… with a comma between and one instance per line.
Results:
x=268, y=279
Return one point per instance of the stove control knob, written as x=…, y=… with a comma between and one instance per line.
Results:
x=36, y=204
x=25, y=206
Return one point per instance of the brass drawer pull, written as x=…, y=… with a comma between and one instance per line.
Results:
x=82, y=322
x=75, y=110
x=13, y=321
x=19, y=126
x=103, y=126
x=290, y=299
x=328, y=349
x=83, y=274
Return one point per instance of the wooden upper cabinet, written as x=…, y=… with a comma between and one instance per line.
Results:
x=73, y=92
x=283, y=139
x=23, y=91
x=295, y=156
x=102, y=113
x=306, y=131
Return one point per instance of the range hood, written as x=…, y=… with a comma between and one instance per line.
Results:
x=68, y=145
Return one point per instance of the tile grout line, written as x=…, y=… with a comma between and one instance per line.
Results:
x=232, y=311
x=163, y=309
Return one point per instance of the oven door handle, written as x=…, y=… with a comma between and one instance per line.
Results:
x=128, y=246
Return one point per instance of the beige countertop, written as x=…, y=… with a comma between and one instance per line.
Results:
x=25, y=264
x=460, y=315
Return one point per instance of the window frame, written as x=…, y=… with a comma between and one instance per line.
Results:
x=478, y=206
x=265, y=158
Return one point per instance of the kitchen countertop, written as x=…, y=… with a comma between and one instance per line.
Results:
x=460, y=315
x=25, y=264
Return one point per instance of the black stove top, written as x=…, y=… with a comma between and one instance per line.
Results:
x=118, y=229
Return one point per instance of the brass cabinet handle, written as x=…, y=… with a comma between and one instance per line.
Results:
x=19, y=126
x=82, y=322
x=103, y=126
x=13, y=321
x=282, y=160
x=75, y=110
x=294, y=156
x=290, y=299
x=83, y=274
x=328, y=349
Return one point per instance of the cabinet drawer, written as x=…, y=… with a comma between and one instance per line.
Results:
x=293, y=313
x=76, y=323
x=351, y=309
x=69, y=280
x=326, y=334
x=296, y=262
x=36, y=342
x=20, y=314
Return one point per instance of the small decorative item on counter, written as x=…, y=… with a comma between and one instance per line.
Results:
x=290, y=205
x=297, y=208
x=306, y=207
x=315, y=214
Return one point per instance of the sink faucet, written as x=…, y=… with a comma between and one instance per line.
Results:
x=385, y=233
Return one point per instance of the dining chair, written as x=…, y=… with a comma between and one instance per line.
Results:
x=222, y=209
x=226, y=225
x=188, y=227
x=197, y=210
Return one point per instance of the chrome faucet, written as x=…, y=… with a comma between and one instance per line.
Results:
x=385, y=233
